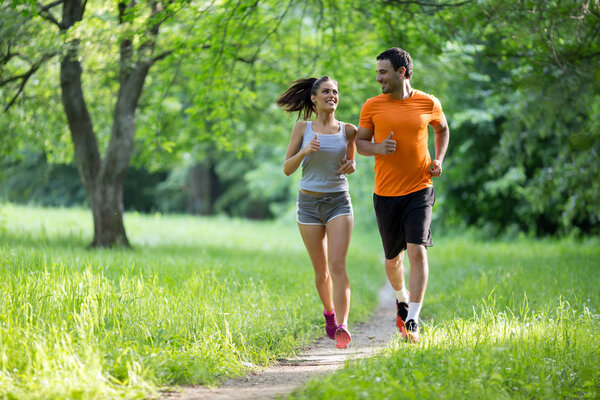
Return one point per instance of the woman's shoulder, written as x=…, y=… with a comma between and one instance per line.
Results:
x=300, y=126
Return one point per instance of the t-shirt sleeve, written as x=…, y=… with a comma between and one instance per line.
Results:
x=436, y=111
x=366, y=118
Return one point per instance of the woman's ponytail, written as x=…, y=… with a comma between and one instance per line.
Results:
x=297, y=97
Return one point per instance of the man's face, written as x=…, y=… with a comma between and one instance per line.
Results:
x=389, y=79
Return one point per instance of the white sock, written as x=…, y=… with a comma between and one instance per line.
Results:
x=402, y=295
x=413, y=311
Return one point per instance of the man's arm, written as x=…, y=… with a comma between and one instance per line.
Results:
x=442, y=137
x=366, y=147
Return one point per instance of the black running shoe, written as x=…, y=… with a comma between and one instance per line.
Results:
x=412, y=331
x=401, y=314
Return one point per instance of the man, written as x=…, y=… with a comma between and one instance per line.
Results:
x=398, y=120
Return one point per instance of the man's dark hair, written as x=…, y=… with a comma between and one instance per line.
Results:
x=399, y=58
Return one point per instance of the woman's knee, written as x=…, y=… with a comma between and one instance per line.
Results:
x=322, y=278
x=337, y=266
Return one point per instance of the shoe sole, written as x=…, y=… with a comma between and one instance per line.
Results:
x=343, y=339
x=407, y=335
x=401, y=327
x=412, y=337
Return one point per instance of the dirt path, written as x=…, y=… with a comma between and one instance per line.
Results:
x=320, y=358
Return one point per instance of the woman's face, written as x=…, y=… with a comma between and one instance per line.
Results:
x=326, y=98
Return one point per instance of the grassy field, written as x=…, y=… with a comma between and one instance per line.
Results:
x=196, y=300
x=508, y=319
x=199, y=299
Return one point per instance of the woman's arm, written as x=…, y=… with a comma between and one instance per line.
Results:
x=349, y=164
x=295, y=153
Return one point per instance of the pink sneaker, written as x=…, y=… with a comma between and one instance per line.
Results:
x=330, y=324
x=342, y=337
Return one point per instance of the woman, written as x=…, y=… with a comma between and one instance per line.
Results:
x=325, y=148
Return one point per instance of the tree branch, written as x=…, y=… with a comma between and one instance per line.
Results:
x=25, y=77
x=6, y=58
x=45, y=13
x=225, y=30
x=49, y=6
x=552, y=46
x=432, y=4
x=162, y=56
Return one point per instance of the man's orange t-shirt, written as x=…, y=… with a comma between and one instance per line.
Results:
x=407, y=169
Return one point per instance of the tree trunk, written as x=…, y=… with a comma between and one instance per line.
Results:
x=103, y=182
x=106, y=202
x=103, y=179
x=201, y=183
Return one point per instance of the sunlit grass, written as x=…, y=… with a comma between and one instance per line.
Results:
x=194, y=301
x=501, y=320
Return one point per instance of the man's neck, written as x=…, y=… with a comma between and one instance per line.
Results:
x=404, y=92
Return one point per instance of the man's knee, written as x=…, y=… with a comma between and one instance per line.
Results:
x=417, y=253
x=416, y=248
x=394, y=263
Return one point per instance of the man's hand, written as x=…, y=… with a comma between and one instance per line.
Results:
x=388, y=146
x=348, y=167
x=436, y=168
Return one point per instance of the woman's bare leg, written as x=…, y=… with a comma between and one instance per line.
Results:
x=339, y=232
x=316, y=246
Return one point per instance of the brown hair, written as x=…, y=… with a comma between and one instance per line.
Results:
x=297, y=97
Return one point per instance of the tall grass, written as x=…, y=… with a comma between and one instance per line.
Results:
x=504, y=319
x=196, y=300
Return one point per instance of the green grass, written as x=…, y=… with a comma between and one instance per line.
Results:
x=505, y=319
x=195, y=301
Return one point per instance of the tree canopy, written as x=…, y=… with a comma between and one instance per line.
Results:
x=519, y=82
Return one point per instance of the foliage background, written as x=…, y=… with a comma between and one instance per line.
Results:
x=519, y=82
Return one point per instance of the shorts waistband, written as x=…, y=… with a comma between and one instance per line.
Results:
x=315, y=195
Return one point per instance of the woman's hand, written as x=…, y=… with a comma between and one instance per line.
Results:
x=312, y=146
x=348, y=166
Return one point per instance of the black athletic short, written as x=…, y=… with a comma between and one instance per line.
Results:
x=404, y=219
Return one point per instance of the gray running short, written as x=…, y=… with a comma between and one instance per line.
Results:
x=320, y=209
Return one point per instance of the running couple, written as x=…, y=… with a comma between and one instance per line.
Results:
x=393, y=127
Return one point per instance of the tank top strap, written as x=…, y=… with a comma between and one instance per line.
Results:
x=308, y=131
